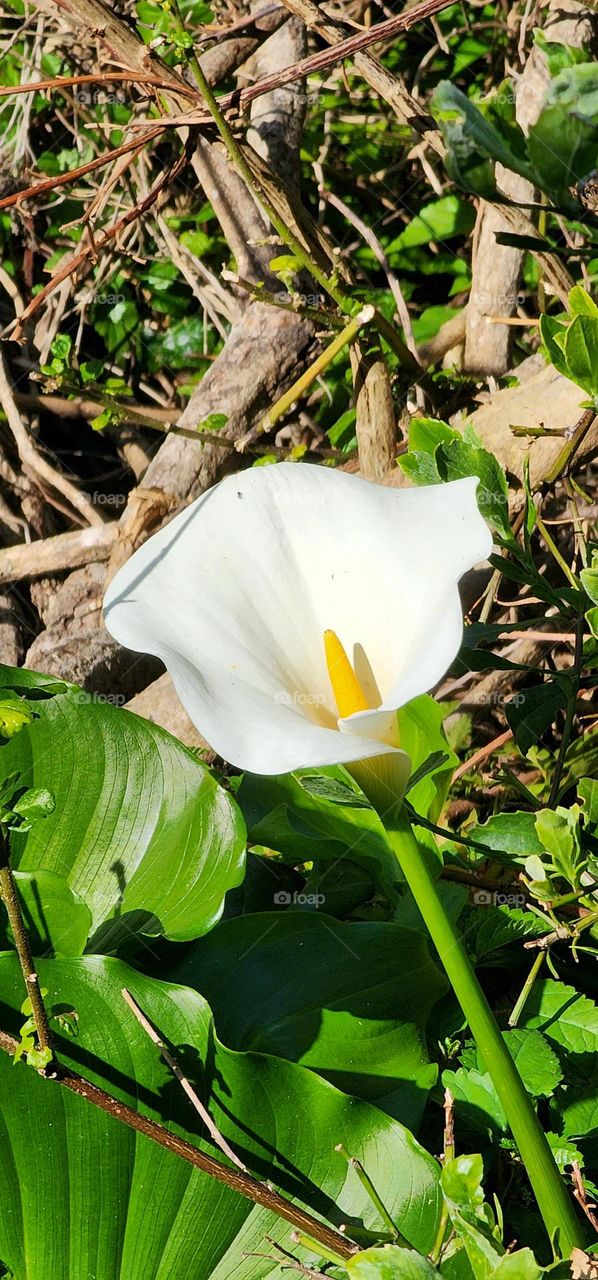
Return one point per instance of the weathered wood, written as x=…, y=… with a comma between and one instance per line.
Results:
x=55, y=555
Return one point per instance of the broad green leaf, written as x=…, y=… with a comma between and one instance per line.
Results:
x=422, y=736
x=140, y=825
x=552, y=329
x=472, y=1220
x=472, y=140
x=520, y=1265
x=531, y=712
x=281, y=813
x=513, y=834
x=36, y=803
x=464, y=458
x=426, y=434
x=124, y=1207
x=579, y=1114
x=350, y=1001
x=56, y=918
x=581, y=303
x=501, y=922
x=562, y=141
x=581, y=352
x=558, y=56
x=536, y=1062
x=588, y=794
x=476, y=1102
x=589, y=580
x=558, y=831
x=390, y=1263
x=564, y=1015
x=440, y=220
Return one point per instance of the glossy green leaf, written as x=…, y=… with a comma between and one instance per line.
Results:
x=306, y=822
x=531, y=712
x=351, y=1001
x=140, y=825
x=56, y=918
x=564, y=1015
x=124, y=1207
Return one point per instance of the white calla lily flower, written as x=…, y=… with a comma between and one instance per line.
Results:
x=254, y=596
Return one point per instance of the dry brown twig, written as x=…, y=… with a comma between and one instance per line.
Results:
x=36, y=466
x=179, y=1075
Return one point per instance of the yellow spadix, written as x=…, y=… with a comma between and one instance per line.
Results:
x=345, y=685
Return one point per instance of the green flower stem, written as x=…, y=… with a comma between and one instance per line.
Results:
x=549, y=1189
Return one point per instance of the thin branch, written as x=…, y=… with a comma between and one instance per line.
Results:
x=580, y=1194
x=302, y=384
x=37, y=466
x=10, y=896
x=102, y=77
x=320, y=61
x=185, y=1084
x=374, y=244
x=261, y=1193
x=101, y=239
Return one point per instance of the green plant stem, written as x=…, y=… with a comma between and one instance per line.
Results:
x=316, y=1246
x=370, y=1190
x=554, y=551
x=8, y=890
x=302, y=384
x=576, y=674
x=526, y=988
x=549, y=1189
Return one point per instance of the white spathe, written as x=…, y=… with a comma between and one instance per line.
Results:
x=235, y=595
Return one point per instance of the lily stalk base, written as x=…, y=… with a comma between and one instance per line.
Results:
x=566, y=1232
